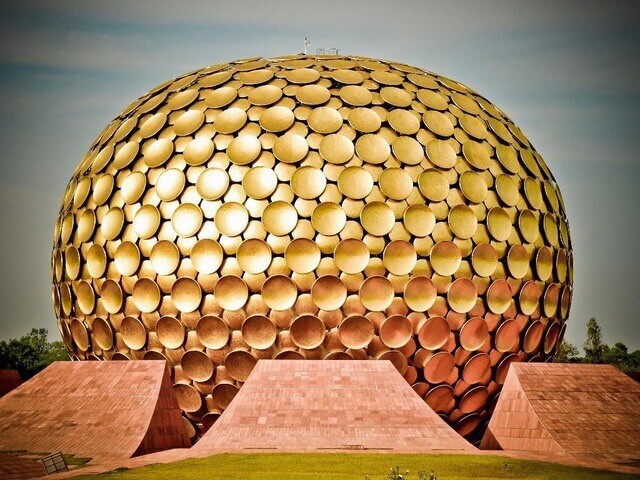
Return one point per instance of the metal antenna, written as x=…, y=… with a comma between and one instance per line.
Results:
x=307, y=43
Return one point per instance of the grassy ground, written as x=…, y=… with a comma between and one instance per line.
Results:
x=327, y=466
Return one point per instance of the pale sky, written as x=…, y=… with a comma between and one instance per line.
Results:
x=568, y=73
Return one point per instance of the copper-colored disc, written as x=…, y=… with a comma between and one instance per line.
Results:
x=396, y=331
x=376, y=293
x=533, y=336
x=186, y=294
x=259, y=332
x=212, y=332
x=434, y=333
x=507, y=335
x=438, y=367
x=302, y=255
x=328, y=292
x=474, y=400
x=462, y=295
x=351, y=256
x=279, y=292
x=188, y=398
x=134, y=335
x=420, y=293
x=440, y=398
x=197, y=365
x=399, y=257
x=231, y=292
x=499, y=296
x=239, y=364
x=356, y=331
x=102, y=333
x=445, y=258
x=170, y=332
x=254, y=255
x=223, y=393
x=307, y=331
x=476, y=368
x=146, y=295
x=474, y=333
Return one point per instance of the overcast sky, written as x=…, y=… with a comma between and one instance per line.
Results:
x=566, y=72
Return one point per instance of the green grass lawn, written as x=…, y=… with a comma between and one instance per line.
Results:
x=326, y=466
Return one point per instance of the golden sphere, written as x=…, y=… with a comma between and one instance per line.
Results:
x=318, y=207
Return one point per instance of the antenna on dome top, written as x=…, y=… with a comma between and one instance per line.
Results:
x=307, y=43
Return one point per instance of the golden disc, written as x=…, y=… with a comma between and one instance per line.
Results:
x=302, y=75
x=188, y=122
x=373, y=149
x=279, y=292
x=206, y=256
x=484, y=259
x=260, y=182
x=170, y=332
x=325, y=120
x=474, y=126
x=336, y=149
x=112, y=223
x=476, y=154
x=463, y=221
x=544, y=263
x=473, y=186
x=395, y=183
x=499, y=296
x=158, y=152
x=279, y=218
x=165, y=257
x=386, y=78
x=408, y=150
x=473, y=334
x=186, y=294
x=230, y=120
x=198, y=151
x=212, y=332
x=146, y=221
x=445, y=258
x=396, y=331
x=499, y=224
x=351, y=256
x=377, y=218
x=197, y=365
x=308, y=182
x=111, y=295
x=146, y=295
x=231, y=292
x=507, y=188
x=356, y=332
x=312, y=94
x=307, y=331
x=102, y=333
x=356, y=95
x=328, y=292
x=397, y=97
x=80, y=335
x=221, y=97
x=529, y=297
x=433, y=100
x=438, y=367
x=254, y=256
x=441, y=154
x=127, y=258
x=434, y=185
x=376, y=293
x=186, y=219
x=403, y=122
x=290, y=148
x=265, y=95
x=212, y=183
x=328, y=218
x=434, y=333
x=231, y=219
x=152, y=125
x=420, y=294
x=259, y=332
x=528, y=224
x=302, y=255
x=462, y=295
x=508, y=157
x=438, y=123
x=276, y=119
x=399, y=257
x=364, y=120
x=239, y=364
x=96, y=261
x=133, y=333
x=518, y=261
x=419, y=220
x=244, y=149
x=355, y=182
x=188, y=398
x=132, y=189
x=86, y=297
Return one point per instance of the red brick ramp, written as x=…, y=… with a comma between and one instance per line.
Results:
x=589, y=412
x=305, y=405
x=15, y=468
x=101, y=410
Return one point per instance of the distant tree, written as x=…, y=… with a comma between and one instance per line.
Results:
x=594, y=348
x=31, y=353
x=567, y=353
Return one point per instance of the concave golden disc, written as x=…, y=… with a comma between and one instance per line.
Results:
x=72, y=262
x=188, y=122
x=422, y=80
x=499, y=224
x=212, y=183
x=111, y=295
x=254, y=255
x=544, y=263
x=290, y=148
x=445, y=258
x=312, y=94
x=328, y=292
x=80, y=335
x=420, y=294
x=186, y=294
x=188, y=398
x=260, y=182
x=355, y=95
x=127, y=258
x=276, y=119
x=302, y=75
x=499, y=296
x=165, y=257
x=351, y=256
x=158, y=152
x=252, y=74
x=376, y=293
x=395, y=183
x=336, y=149
x=474, y=126
x=328, y=218
x=399, y=257
x=397, y=97
x=396, y=331
x=170, y=332
x=434, y=185
x=86, y=297
x=473, y=187
x=153, y=124
x=231, y=292
x=212, y=332
x=462, y=295
x=533, y=336
x=307, y=331
x=96, y=261
x=408, y=150
x=244, y=149
x=386, y=78
x=551, y=338
x=308, y=182
x=112, y=223
x=231, y=219
x=438, y=123
x=186, y=219
x=198, y=151
x=221, y=97
x=373, y=149
x=197, y=365
x=432, y=100
x=434, y=333
x=518, y=261
x=419, y=220
x=476, y=154
x=476, y=368
x=550, y=300
x=265, y=95
x=403, y=122
x=206, y=256
x=530, y=297
x=279, y=292
x=356, y=331
x=134, y=335
x=377, y=218
x=279, y=218
x=508, y=158
x=355, y=182
x=230, y=120
x=302, y=255
x=441, y=154
x=325, y=120
x=146, y=221
x=507, y=188
x=86, y=225
x=484, y=259
x=507, y=335
x=440, y=398
x=438, y=367
x=103, y=188
x=463, y=221
x=473, y=334
x=239, y=363
x=133, y=187
x=146, y=295
x=102, y=333
x=259, y=332
x=528, y=224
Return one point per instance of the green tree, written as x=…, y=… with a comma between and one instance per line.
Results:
x=30, y=353
x=594, y=348
x=567, y=353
